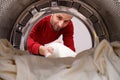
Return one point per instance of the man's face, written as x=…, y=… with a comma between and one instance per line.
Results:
x=60, y=20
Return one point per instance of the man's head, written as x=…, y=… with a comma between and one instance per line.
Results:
x=60, y=20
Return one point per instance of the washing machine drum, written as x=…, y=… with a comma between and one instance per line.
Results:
x=17, y=17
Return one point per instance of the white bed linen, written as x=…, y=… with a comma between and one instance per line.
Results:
x=100, y=63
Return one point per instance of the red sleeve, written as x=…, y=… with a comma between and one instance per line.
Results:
x=68, y=36
x=32, y=44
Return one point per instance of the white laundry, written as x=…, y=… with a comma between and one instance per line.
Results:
x=60, y=50
x=100, y=63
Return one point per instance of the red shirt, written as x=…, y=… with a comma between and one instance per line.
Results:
x=43, y=33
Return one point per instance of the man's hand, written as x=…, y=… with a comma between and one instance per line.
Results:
x=43, y=50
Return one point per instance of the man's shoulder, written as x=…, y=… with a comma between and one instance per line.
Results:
x=46, y=18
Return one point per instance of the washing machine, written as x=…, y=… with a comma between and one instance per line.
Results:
x=100, y=17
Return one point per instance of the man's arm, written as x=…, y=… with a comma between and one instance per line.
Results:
x=68, y=36
x=35, y=48
x=33, y=43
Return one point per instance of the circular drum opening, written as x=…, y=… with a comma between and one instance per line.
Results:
x=83, y=13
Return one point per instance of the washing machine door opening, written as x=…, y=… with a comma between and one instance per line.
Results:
x=89, y=28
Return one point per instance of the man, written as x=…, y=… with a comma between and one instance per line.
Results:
x=49, y=29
